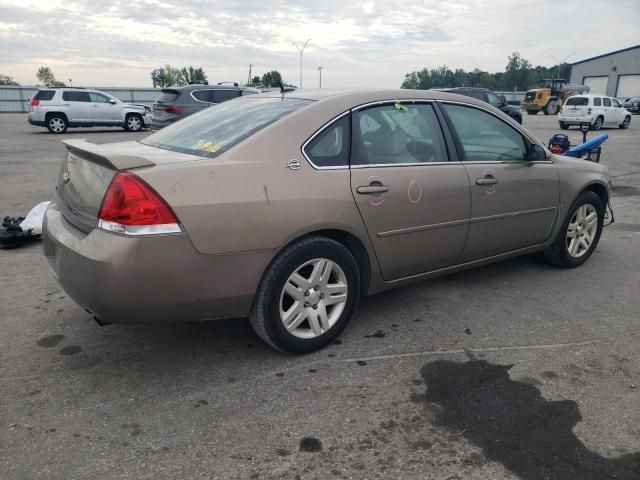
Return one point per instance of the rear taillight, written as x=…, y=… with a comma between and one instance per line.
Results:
x=132, y=207
x=177, y=109
x=34, y=102
x=589, y=111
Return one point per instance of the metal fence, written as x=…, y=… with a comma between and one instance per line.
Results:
x=16, y=99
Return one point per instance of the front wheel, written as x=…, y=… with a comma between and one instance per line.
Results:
x=626, y=122
x=133, y=123
x=307, y=296
x=532, y=112
x=564, y=126
x=580, y=232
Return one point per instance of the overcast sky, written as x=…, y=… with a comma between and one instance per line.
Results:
x=359, y=43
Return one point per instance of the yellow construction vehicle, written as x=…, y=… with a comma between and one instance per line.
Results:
x=548, y=95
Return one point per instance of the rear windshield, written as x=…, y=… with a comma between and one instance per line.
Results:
x=578, y=101
x=218, y=128
x=168, y=96
x=44, y=95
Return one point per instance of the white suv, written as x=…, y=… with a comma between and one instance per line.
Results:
x=599, y=111
x=61, y=108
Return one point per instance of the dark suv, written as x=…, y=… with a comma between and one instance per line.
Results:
x=175, y=103
x=490, y=97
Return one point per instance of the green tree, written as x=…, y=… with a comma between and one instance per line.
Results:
x=173, y=77
x=193, y=75
x=255, y=81
x=271, y=79
x=516, y=75
x=6, y=80
x=46, y=76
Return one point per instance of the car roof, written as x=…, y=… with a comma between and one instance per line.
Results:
x=201, y=86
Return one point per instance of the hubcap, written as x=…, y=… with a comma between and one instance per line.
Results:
x=313, y=298
x=582, y=230
x=56, y=124
x=134, y=123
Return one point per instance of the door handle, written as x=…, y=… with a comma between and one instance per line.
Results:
x=486, y=181
x=369, y=189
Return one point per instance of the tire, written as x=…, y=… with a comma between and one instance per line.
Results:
x=133, y=123
x=564, y=126
x=597, y=125
x=626, y=122
x=57, y=123
x=560, y=253
x=551, y=108
x=273, y=299
x=532, y=112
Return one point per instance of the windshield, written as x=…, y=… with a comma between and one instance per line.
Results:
x=218, y=128
x=577, y=101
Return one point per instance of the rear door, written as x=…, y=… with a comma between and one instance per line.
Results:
x=414, y=201
x=514, y=201
x=79, y=108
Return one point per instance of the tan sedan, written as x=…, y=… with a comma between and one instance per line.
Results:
x=287, y=209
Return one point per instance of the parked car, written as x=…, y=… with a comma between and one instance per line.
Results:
x=287, y=209
x=490, y=97
x=598, y=110
x=61, y=108
x=632, y=104
x=175, y=103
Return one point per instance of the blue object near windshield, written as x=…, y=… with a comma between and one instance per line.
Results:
x=218, y=128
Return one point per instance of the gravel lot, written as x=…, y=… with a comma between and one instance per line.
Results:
x=533, y=372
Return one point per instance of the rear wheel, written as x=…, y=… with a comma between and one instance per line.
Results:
x=580, y=232
x=133, y=123
x=564, y=126
x=57, y=123
x=626, y=122
x=551, y=108
x=307, y=296
x=532, y=112
x=597, y=125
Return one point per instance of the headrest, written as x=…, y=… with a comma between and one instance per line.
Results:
x=390, y=143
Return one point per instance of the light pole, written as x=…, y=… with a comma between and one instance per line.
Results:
x=301, y=51
x=561, y=62
x=320, y=72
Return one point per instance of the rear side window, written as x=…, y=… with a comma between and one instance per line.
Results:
x=607, y=102
x=331, y=147
x=76, y=97
x=168, y=96
x=202, y=95
x=220, y=96
x=44, y=95
x=220, y=127
x=486, y=138
x=597, y=102
x=577, y=101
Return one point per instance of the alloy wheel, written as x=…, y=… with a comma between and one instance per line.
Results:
x=582, y=230
x=57, y=124
x=134, y=124
x=313, y=298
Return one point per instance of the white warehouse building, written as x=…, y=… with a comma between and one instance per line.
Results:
x=615, y=74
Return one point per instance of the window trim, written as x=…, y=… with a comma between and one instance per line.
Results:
x=318, y=132
x=201, y=90
x=460, y=149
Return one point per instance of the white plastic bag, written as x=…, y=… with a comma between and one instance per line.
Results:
x=33, y=221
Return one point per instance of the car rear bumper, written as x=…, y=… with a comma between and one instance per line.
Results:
x=120, y=279
x=575, y=120
x=39, y=123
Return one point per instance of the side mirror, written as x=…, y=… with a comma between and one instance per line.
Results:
x=536, y=152
x=112, y=101
x=504, y=100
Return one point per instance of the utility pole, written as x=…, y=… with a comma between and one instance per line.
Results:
x=250, y=78
x=561, y=61
x=301, y=51
x=320, y=72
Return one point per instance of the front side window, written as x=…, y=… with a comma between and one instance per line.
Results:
x=494, y=99
x=597, y=102
x=607, y=102
x=220, y=127
x=400, y=133
x=615, y=102
x=76, y=97
x=484, y=137
x=331, y=147
x=98, y=98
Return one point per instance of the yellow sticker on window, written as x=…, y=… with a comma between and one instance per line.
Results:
x=208, y=146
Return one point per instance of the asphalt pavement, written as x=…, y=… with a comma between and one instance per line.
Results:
x=516, y=370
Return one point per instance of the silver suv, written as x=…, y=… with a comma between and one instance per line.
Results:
x=61, y=108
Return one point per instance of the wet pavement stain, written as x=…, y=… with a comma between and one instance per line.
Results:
x=50, y=341
x=378, y=334
x=71, y=350
x=310, y=444
x=514, y=425
x=200, y=403
x=362, y=363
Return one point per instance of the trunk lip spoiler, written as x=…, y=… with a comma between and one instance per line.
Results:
x=100, y=155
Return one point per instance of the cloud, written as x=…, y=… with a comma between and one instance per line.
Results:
x=368, y=43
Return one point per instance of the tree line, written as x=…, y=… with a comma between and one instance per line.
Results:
x=518, y=75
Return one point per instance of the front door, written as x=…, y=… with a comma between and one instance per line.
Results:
x=103, y=110
x=414, y=202
x=514, y=201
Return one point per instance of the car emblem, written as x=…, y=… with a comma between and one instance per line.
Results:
x=294, y=164
x=66, y=177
